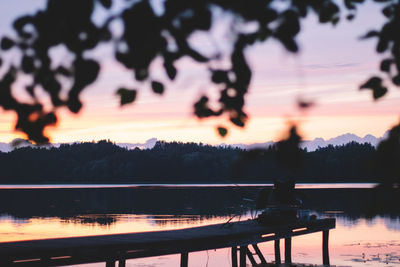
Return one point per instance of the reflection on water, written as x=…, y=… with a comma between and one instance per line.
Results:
x=390, y=253
x=365, y=242
x=14, y=229
x=45, y=213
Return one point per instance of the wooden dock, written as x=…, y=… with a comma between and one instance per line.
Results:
x=120, y=247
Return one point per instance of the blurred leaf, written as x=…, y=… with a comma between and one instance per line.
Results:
x=19, y=25
x=290, y=44
x=171, y=70
x=202, y=110
x=157, y=87
x=370, y=34
x=219, y=76
x=27, y=64
x=304, y=104
x=383, y=45
x=385, y=64
x=375, y=84
x=335, y=21
x=31, y=90
x=388, y=11
x=329, y=12
x=382, y=1
x=238, y=120
x=372, y=83
x=63, y=71
x=141, y=74
x=396, y=80
x=349, y=4
x=86, y=72
x=126, y=95
x=106, y=3
x=6, y=43
x=222, y=131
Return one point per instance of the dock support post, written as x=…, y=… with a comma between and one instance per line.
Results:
x=121, y=263
x=234, y=257
x=110, y=263
x=251, y=258
x=288, y=250
x=243, y=256
x=277, y=252
x=325, y=249
x=260, y=255
x=184, y=259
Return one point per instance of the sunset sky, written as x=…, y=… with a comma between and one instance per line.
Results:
x=333, y=62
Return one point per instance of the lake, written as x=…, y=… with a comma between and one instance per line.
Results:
x=46, y=211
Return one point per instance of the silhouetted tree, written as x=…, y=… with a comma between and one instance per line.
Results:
x=176, y=162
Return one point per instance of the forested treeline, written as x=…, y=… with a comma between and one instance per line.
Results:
x=175, y=162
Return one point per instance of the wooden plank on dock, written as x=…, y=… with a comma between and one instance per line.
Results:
x=78, y=250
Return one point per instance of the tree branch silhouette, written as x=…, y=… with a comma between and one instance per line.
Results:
x=148, y=35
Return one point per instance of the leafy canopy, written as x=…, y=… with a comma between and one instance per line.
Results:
x=148, y=34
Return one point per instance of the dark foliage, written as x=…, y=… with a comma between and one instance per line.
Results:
x=387, y=158
x=386, y=196
x=148, y=35
x=347, y=163
x=105, y=162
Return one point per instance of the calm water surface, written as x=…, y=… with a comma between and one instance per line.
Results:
x=59, y=211
x=299, y=185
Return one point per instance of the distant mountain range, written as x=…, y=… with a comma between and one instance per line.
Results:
x=341, y=140
x=311, y=145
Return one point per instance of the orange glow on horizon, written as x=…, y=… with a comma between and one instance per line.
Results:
x=43, y=228
x=258, y=129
